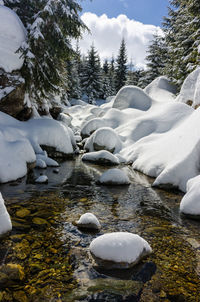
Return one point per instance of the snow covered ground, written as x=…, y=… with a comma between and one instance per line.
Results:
x=12, y=35
x=20, y=144
x=147, y=128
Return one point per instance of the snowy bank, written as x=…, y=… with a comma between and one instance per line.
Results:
x=12, y=35
x=190, y=90
x=21, y=141
x=190, y=204
x=119, y=250
x=5, y=222
x=159, y=137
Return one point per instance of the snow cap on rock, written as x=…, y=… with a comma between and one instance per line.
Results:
x=119, y=250
x=89, y=221
x=5, y=222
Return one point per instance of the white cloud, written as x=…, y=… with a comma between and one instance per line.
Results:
x=107, y=33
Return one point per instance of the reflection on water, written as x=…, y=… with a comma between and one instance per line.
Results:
x=53, y=254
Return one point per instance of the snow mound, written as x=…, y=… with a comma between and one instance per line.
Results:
x=114, y=177
x=101, y=157
x=92, y=126
x=20, y=141
x=5, y=222
x=119, y=250
x=104, y=138
x=132, y=97
x=161, y=89
x=190, y=90
x=40, y=164
x=190, y=204
x=89, y=221
x=42, y=179
x=12, y=35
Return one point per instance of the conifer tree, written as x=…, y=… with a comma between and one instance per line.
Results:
x=111, y=75
x=50, y=27
x=156, y=58
x=106, y=89
x=91, y=75
x=121, y=68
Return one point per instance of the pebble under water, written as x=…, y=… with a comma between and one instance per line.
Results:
x=46, y=258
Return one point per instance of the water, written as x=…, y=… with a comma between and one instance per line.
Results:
x=53, y=254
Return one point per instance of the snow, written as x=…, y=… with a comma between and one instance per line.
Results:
x=120, y=247
x=114, y=177
x=101, y=157
x=132, y=97
x=161, y=89
x=153, y=135
x=190, y=90
x=5, y=222
x=42, y=179
x=40, y=164
x=190, y=204
x=12, y=36
x=21, y=141
x=104, y=138
x=89, y=220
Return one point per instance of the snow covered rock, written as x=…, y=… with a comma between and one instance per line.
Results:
x=190, y=204
x=132, y=97
x=92, y=126
x=119, y=250
x=114, y=177
x=190, y=90
x=46, y=160
x=104, y=139
x=40, y=164
x=88, y=221
x=161, y=89
x=5, y=222
x=102, y=157
x=12, y=35
x=42, y=179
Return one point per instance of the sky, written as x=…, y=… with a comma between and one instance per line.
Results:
x=111, y=20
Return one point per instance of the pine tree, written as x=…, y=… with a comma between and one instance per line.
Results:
x=156, y=58
x=91, y=75
x=50, y=27
x=106, y=89
x=111, y=75
x=121, y=68
x=182, y=36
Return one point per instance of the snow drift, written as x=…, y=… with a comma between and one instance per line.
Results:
x=159, y=136
x=21, y=141
x=12, y=35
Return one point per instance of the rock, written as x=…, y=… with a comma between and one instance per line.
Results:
x=42, y=179
x=56, y=171
x=119, y=250
x=22, y=249
x=20, y=296
x=88, y=221
x=5, y=222
x=23, y=213
x=55, y=111
x=40, y=164
x=52, y=152
x=39, y=221
x=102, y=157
x=11, y=271
x=114, y=177
x=13, y=101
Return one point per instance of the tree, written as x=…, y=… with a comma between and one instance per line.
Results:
x=111, y=75
x=182, y=38
x=121, y=68
x=50, y=27
x=91, y=75
x=156, y=58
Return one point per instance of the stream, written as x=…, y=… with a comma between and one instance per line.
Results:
x=46, y=255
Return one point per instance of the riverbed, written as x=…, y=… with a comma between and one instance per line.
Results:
x=52, y=255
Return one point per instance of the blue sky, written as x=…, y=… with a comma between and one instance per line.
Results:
x=145, y=11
